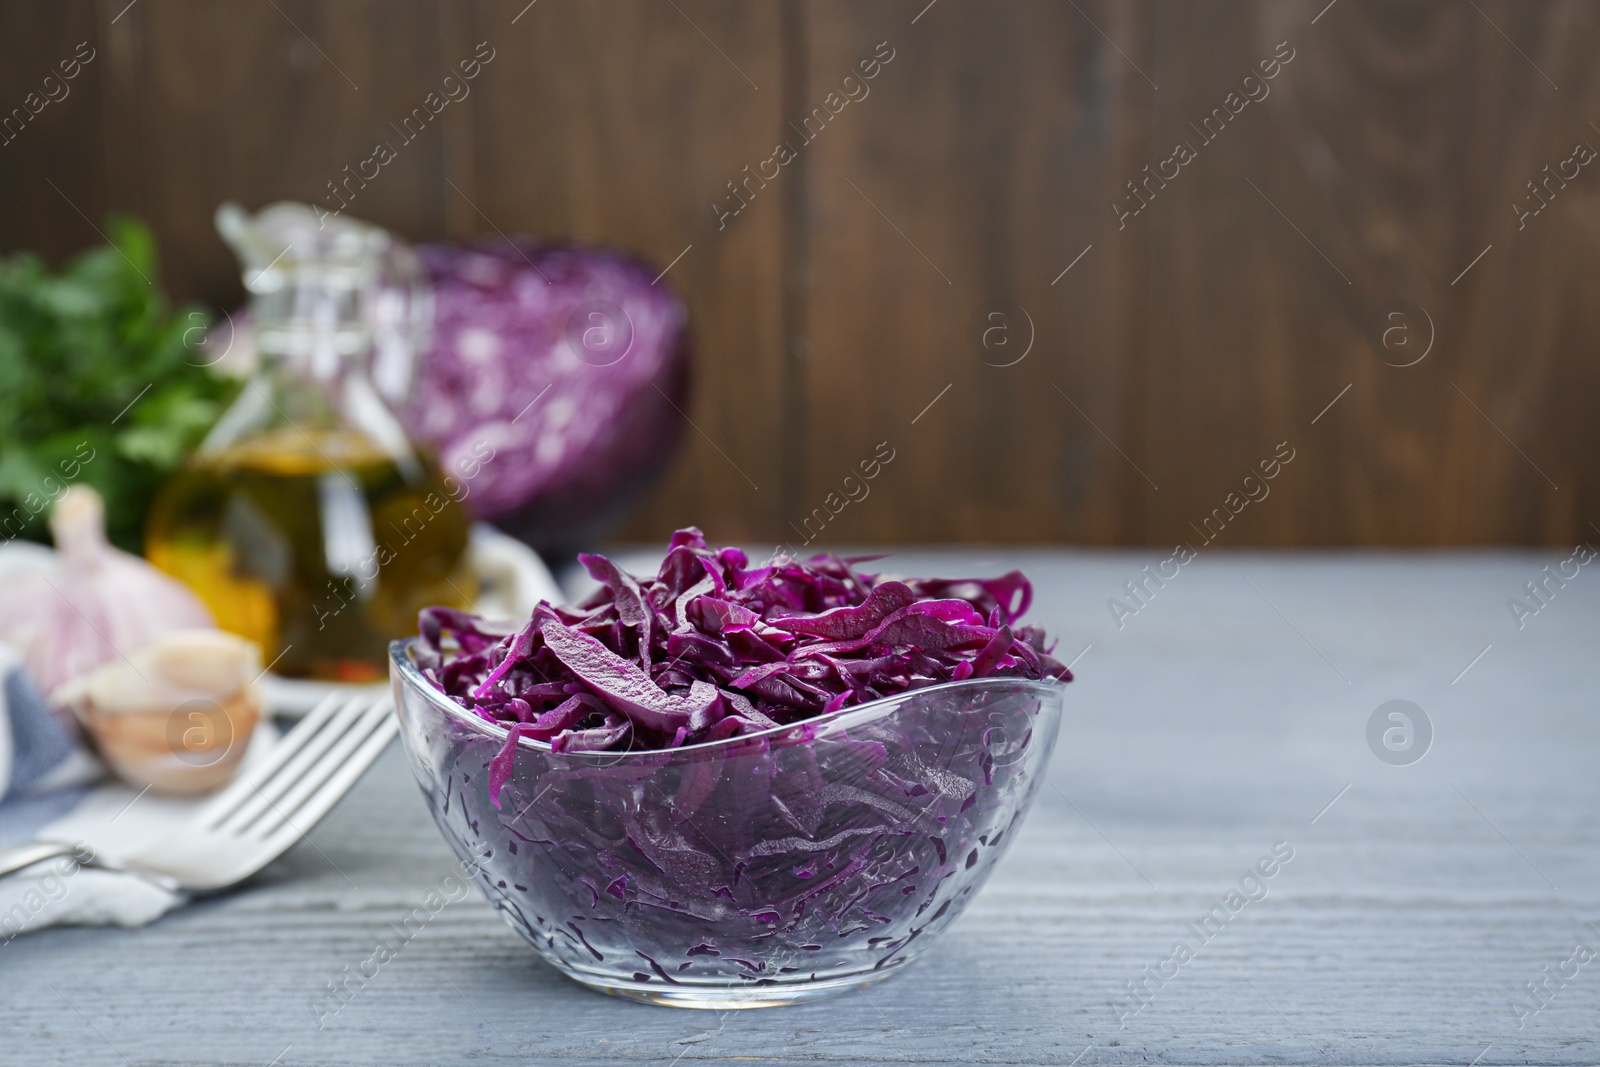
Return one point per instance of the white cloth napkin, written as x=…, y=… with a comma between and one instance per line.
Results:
x=45, y=793
x=111, y=821
x=52, y=789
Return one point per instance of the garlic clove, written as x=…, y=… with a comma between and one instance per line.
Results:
x=177, y=666
x=176, y=715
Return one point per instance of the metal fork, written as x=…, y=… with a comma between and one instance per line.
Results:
x=255, y=819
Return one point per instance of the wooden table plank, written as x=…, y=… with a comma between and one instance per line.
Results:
x=1206, y=729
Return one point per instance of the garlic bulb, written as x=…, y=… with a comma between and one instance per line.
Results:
x=94, y=603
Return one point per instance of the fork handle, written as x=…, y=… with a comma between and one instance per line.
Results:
x=16, y=857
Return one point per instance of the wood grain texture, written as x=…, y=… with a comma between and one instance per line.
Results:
x=945, y=203
x=1418, y=901
x=1384, y=160
x=314, y=92
x=853, y=285
x=1529, y=370
x=50, y=167
x=619, y=124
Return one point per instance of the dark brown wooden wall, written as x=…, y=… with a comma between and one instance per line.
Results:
x=1183, y=346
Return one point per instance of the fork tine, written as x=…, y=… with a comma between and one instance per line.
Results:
x=329, y=793
x=263, y=793
x=281, y=810
x=290, y=743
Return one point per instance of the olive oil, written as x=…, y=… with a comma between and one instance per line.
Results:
x=307, y=520
x=316, y=544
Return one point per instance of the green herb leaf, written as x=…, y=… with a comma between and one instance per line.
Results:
x=99, y=382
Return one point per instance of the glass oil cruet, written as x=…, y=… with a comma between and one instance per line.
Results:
x=307, y=521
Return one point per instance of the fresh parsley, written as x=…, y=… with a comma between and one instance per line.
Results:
x=100, y=382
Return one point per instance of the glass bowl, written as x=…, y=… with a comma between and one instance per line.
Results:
x=760, y=870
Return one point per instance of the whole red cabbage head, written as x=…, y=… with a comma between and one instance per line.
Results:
x=566, y=367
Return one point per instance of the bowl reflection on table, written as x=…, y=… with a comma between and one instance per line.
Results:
x=754, y=871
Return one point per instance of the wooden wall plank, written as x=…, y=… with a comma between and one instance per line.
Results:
x=619, y=124
x=50, y=130
x=975, y=170
x=848, y=293
x=1529, y=309
x=1378, y=167
x=258, y=103
x=1376, y=114
x=1244, y=305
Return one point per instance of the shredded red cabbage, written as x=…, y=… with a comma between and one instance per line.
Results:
x=711, y=649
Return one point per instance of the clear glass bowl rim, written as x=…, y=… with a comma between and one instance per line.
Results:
x=411, y=675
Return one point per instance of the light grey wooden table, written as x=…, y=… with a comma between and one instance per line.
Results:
x=1228, y=715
